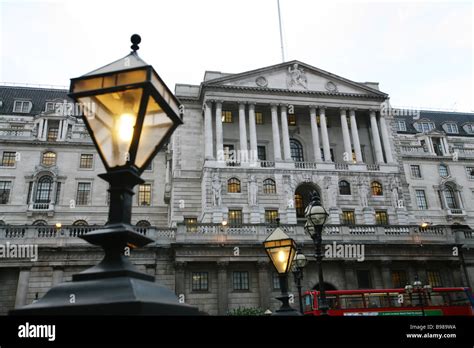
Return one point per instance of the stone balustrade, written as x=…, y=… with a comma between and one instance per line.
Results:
x=255, y=233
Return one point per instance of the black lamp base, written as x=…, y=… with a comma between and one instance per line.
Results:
x=113, y=287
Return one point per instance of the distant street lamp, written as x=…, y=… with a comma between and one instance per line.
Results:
x=420, y=289
x=316, y=217
x=130, y=114
x=281, y=250
x=299, y=263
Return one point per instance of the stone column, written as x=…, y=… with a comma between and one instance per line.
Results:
x=222, y=291
x=345, y=136
x=219, y=133
x=57, y=275
x=60, y=131
x=264, y=286
x=208, y=145
x=285, y=134
x=64, y=135
x=45, y=130
x=40, y=128
x=276, y=134
x=386, y=139
x=349, y=274
x=376, y=137
x=355, y=136
x=386, y=276
x=315, y=134
x=179, y=276
x=22, y=287
x=324, y=134
x=242, y=132
x=253, y=133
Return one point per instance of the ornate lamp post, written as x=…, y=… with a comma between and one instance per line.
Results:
x=281, y=250
x=420, y=289
x=130, y=114
x=299, y=263
x=316, y=217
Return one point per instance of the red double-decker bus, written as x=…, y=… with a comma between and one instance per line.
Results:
x=382, y=302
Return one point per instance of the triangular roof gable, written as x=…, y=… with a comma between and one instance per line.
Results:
x=279, y=77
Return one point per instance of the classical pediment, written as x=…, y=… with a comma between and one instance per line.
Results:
x=295, y=76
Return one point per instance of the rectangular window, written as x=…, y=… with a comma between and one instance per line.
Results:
x=5, y=187
x=381, y=217
x=434, y=278
x=292, y=120
x=200, y=281
x=401, y=126
x=259, y=118
x=270, y=216
x=227, y=116
x=86, y=161
x=470, y=173
x=262, y=154
x=83, y=193
x=144, y=195
x=276, y=281
x=452, y=128
x=53, y=133
x=240, y=280
x=363, y=279
x=22, y=106
x=235, y=217
x=191, y=224
x=8, y=159
x=58, y=193
x=421, y=199
x=348, y=217
x=399, y=279
x=415, y=171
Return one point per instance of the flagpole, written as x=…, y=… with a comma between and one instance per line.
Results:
x=281, y=33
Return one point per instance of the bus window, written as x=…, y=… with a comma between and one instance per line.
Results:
x=308, y=303
x=458, y=298
x=437, y=299
x=333, y=302
x=396, y=300
x=376, y=300
x=352, y=301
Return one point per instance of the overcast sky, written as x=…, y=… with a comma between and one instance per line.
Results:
x=421, y=53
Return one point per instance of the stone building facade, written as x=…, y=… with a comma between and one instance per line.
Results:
x=252, y=149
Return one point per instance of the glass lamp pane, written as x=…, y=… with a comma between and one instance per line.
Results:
x=164, y=92
x=281, y=252
x=112, y=118
x=156, y=126
x=112, y=80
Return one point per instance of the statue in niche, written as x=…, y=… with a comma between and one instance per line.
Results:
x=253, y=190
x=397, y=202
x=296, y=77
x=331, y=192
x=363, y=192
x=216, y=190
x=290, y=192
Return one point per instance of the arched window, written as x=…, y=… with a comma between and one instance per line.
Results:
x=143, y=223
x=377, y=189
x=443, y=170
x=44, y=189
x=296, y=150
x=299, y=205
x=48, y=158
x=80, y=223
x=233, y=185
x=450, y=198
x=269, y=186
x=40, y=223
x=302, y=197
x=344, y=188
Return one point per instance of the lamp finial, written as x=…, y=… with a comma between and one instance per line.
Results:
x=136, y=39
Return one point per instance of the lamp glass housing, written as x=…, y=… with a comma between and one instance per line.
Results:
x=281, y=249
x=130, y=113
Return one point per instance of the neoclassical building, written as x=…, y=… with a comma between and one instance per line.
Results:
x=252, y=149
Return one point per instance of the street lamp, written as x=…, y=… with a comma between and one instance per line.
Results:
x=299, y=263
x=420, y=289
x=316, y=217
x=130, y=114
x=281, y=251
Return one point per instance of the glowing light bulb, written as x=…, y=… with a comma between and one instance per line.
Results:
x=281, y=256
x=126, y=123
